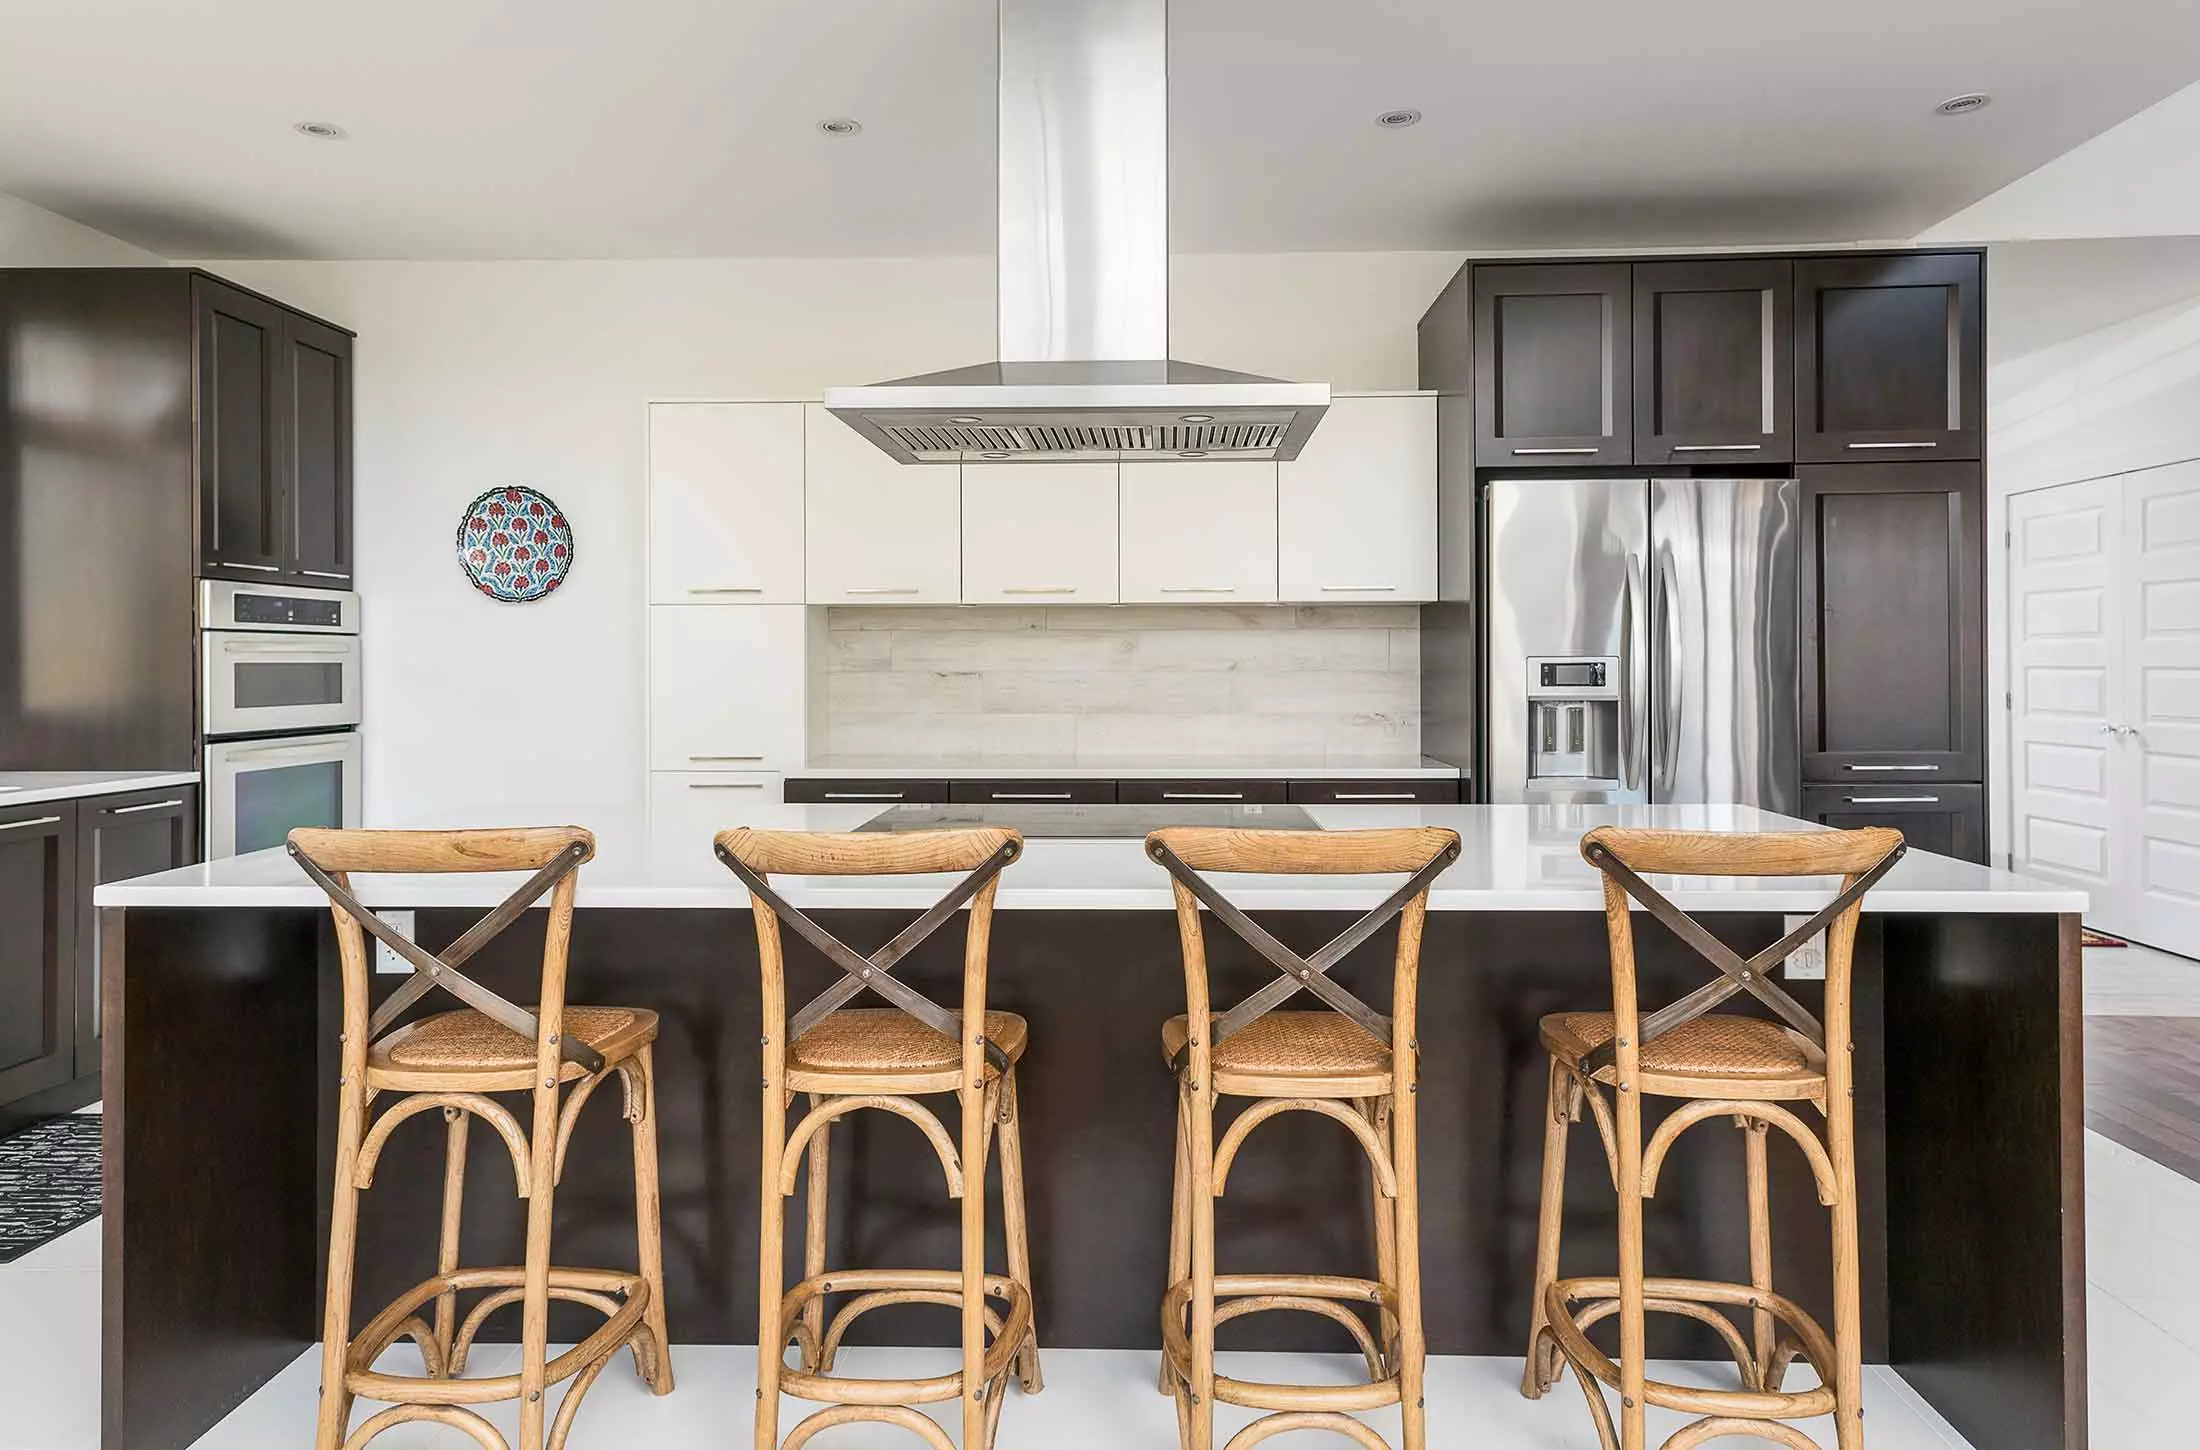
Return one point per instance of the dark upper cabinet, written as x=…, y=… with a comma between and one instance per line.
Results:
x=1552, y=365
x=1713, y=362
x=118, y=837
x=316, y=396
x=38, y=925
x=274, y=440
x=1948, y=820
x=1890, y=357
x=1893, y=646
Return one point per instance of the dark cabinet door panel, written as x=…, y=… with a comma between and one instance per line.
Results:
x=1374, y=792
x=1948, y=820
x=1713, y=361
x=317, y=387
x=835, y=791
x=118, y=837
x=38, y=923
x=243, y=498
x=1893, y=644
x=1200, y=792
x=1033, y=792
x=1890, y=357
x=1552, y=364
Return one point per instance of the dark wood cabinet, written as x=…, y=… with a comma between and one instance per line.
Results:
x=1893, y=645
x=38, y=929
x=1713, y=365
x=1552, y=365
x=1948, y=820
x=315, y=395
x=118, y=837
x=1890, y=357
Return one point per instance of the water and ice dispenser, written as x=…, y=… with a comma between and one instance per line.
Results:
x=1573, y=722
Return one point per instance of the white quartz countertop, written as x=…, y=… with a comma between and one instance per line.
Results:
x=35, y=787
x=1143, y=767
x=1513, y=858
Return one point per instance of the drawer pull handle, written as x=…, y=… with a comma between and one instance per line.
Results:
x=730, y=589
x=1199, y=589
x=865, y=795
x=725, y=785
x=702, y=758
x=1041, y=589
x=1359, y=589
x=1922, y=443
x=1553, y=452
x=1203, y=795
x=1871, y=768
x=147, y=806
x=255, y=568
x=1893, y=800
x=1717, y=447
x=886, y=589
x=1030, y=795
x=322, y=574
x=1373, y=795
x=25, y=825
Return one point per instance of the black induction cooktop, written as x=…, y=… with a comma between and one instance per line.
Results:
x=1089, y=822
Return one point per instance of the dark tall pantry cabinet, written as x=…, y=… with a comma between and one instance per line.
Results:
x=1862, y=374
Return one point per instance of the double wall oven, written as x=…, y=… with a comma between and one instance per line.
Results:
x=278, y=710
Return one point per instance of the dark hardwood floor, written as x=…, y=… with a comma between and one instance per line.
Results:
x=2142, y=1086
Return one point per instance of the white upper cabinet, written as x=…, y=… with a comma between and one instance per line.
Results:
x=725, y=503
x=1356, y=511
x=727, y=687
x=1039, y=533
x=878, y=532
x=1198, y=533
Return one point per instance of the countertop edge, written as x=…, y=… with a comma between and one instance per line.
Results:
x=88, y=784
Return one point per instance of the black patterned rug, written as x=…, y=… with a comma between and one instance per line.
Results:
x=49, y=1182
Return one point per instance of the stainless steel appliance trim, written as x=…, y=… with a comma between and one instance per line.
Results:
x=339, y=647
x=1634, y=698
x=24, y=825
x=217, y=599
x=145, y=806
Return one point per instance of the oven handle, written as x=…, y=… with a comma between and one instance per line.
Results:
x=288, y=749
x=347, y=650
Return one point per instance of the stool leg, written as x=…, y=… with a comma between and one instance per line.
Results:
x=454, y=1202
x=649, y=1221
x=1763, y=1325
x=975, y=1128
x=816, y=1203
x=1633, y=1355
x=1200, y=1161
x=1377, y=1113
x=1412, y=1350
x=1848, y=1316
x=335, y=1407
x=535, y=1307
x=1180, y=1231
x=771, y=1263
x=1550, y=1219
x=1017, y=1226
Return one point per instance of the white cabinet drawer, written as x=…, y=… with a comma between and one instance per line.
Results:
x=726, y=687
x=725, y=503
x=1038, y=533
x=877, y=532
x=687, y=809
x=1198, y=533
x=1356, y=511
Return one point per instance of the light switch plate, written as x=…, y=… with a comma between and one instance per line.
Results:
x=1807, y=963
x=387, y=962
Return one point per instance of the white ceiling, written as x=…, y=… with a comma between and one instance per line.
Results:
x=665, y=128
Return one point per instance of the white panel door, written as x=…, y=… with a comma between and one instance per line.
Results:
x=877, y=531
x=2064, y=634
x=725, y=503
x=1198, y=533
x=1356, y=510
x=1038, y=533
x=2161, y=739
x=727, y=686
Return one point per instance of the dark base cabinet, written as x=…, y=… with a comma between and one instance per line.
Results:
x=118, y=837
x=1948, y=820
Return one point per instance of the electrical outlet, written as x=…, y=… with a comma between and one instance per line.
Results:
x=387, y=962
x=1807, y=963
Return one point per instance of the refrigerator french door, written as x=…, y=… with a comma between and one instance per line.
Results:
x=1641, y=642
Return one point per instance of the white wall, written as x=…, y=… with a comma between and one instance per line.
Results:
x=31, y=236
x=475, y=374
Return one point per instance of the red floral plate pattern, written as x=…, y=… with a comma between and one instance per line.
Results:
x=514, y=544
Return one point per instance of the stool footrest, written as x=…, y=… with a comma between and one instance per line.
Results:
x=1237, y=1295
x=876, y=1289
x=623, y=1298
x=1699, y=1299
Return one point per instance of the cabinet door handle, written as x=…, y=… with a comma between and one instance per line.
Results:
x=730, y=589
x=1359, y=589
x=322, y=574
x=1030, y=795
x=1203, y=795
x=1373, y=795
x=1892, y=800
x=1041, y=589
x=1717, y=447
x=147, y=806
x=1199, y=589
x=1553, y=452
x=703, y=758
x=1920, y=443
x=255, y=568
x=25, y=825
x=1861, y=769
x=725, y=785
x=866, y=795
x=886, y=589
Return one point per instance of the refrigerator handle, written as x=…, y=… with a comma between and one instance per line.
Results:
x=1665, y=746
x=1633, y=694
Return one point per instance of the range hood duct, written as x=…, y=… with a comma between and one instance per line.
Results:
x=1083, y=308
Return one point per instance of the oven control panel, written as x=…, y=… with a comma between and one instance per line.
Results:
x=288, y=609
x=224, y=604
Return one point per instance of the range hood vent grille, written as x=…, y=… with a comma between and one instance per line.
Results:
x=950, y=442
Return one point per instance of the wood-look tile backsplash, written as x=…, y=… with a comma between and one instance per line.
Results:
x=1322, y=682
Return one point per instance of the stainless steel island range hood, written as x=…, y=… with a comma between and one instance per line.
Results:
x=1084, y=371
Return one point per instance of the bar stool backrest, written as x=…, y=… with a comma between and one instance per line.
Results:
x=1860, y=858
x=553, y=853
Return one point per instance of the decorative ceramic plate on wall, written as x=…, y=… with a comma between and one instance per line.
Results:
x=514, y=544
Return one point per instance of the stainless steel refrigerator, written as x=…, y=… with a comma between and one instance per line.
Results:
x=1641, y=641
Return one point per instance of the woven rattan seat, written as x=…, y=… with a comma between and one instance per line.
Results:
x=467, y=1042
x=886, y=1040
x=1715, y=1047
x=1302, y=1048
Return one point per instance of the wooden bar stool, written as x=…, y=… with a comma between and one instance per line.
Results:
x=1348, y=1063
x=885, y=1058
x=452, y=1062
x=1719, y=1066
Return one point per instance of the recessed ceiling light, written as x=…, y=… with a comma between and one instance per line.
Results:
x=1964, y=104
x=1399, y=119
x=966, y=418
x=840, y=126
x=1196, y=418
x=320, y=130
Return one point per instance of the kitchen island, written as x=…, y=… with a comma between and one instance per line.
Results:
x=222, y=1005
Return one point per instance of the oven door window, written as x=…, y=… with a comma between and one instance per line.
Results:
x=271, y=802
x=271, y=684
